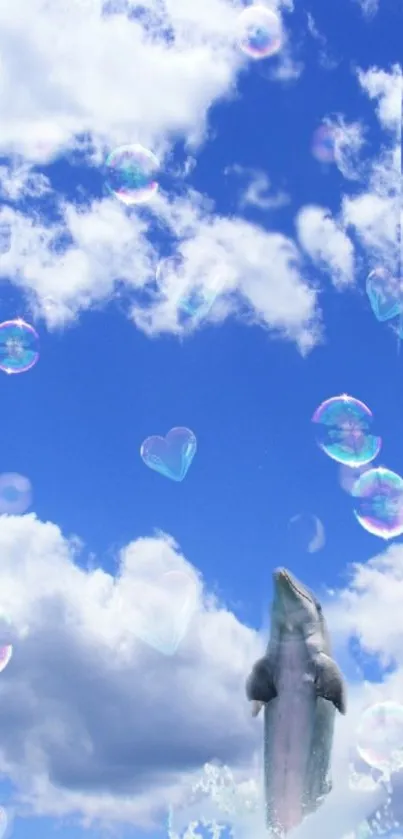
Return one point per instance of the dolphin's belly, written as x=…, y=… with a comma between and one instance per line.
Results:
x=289, y=724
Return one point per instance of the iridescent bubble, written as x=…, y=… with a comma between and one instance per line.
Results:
x=19, y=346
x=378, y=502
x=131, y=172
x=259, y=32
x=6, y=652
x=171, y=455
x=380, y=736
x=171, y=278
x=323, y=144
x=385, y=293
x=344, y=426
x=164, y=610
x=15, y=493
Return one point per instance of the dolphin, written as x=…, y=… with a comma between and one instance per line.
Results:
x=300, y=687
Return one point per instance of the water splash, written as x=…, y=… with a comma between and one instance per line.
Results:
x=222, y=805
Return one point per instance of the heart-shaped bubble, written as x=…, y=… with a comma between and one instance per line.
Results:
x=163, y=610
x=170, y=455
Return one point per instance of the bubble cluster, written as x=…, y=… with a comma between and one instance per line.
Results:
x=380, y=736
x=323, y=144
x=19, y=346
x=259, y=32
x=164, y=610
x=15, y=493
x=385, y=293
x=171, y=455
x=344, y=431
x=378, y=502
x=131, y=173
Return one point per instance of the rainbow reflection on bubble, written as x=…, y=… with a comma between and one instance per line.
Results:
x=259, y=32
x=323, y=144
x=378, y=502
x=343, y=429
x=6, y=653
x=131, y=172
x=380, y=736
x=15, y=493
x=19, y=346
x=385, y=293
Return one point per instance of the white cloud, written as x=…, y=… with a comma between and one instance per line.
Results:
x=326, y=243
x=257, y=191
x=369, y=7
x=387, y=88
x=92, y=719
x=106, y=245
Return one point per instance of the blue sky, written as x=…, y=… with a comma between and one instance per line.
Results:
x=246, y=381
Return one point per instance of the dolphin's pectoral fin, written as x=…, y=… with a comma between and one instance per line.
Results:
x=329, y=682
x=260, y=685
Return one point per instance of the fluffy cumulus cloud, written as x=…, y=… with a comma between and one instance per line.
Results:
x=326, y=243
x=95, y=721
x=83, y=62
x=367, y=230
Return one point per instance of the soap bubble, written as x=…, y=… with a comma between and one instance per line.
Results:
x=171, y=455
x=385, y=293
x=380, y=736
x=19, y=346
x=15, y=493
x=259, y=32
x=6, y=652
x=131, y=174
x=4, y=823
x=164, y=610
x=378, y=502
x=307, y=533
x=343, y=426
x=172, y=280
x=323, y=144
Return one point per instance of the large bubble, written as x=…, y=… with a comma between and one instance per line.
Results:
x=164, y=610
x=131, y=173
x=19, y=346
x=385, y=293
x=171, y=455
x=344, y=431
x=380, y=736
x=378, y=502
x=259, y=32
x=15, y=493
